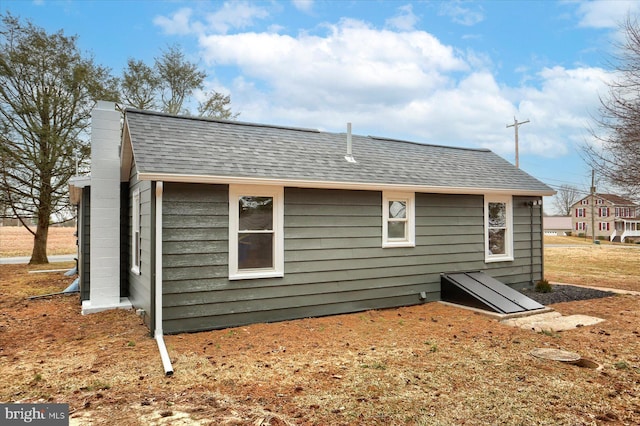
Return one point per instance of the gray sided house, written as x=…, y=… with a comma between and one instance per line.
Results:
x=208, y=224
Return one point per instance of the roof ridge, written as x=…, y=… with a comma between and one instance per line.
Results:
x=218, y=120
x=381, y=138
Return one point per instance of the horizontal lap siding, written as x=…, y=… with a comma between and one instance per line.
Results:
x=334, y=262
x=194, y=255
x=526, y=267
x=140, y=285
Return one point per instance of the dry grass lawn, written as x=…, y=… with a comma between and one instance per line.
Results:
x=604, y=265
x=17, y=241
x=423, y=365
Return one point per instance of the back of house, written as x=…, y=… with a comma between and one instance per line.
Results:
x=224, y=223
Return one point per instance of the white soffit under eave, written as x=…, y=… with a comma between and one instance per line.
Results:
x=300, y=183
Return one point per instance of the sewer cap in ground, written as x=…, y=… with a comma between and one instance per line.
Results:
x=555, y=354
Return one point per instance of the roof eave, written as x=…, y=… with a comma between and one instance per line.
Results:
x=365, y=186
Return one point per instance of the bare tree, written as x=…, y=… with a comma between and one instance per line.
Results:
x=565, y=197
x=178, y=79
x=47, y=91
x=169, y=84
x=617, y=128
x=216, y=105
x=139, y=85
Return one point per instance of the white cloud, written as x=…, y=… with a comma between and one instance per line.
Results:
x=405, y=19
x=232, y=15
x=176, y=24
x=606, y=14
x=460, y=14
x=235, y=15
x=402, y=84
x=303, y=5
x=562, y=106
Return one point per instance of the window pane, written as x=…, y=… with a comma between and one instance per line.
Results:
x=256, y=213
x=497, y=241
x=397, y=209
x=497, y=214
x=255, y=251
x=396, y=230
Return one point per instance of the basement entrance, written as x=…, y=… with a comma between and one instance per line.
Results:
x=479, y=290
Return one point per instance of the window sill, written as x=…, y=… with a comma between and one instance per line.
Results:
x=398, y=244
x=249, y=275
x=498, y=259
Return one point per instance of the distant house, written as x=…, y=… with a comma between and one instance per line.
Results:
x=203, y=224
x=614, y=218
x=557, y=225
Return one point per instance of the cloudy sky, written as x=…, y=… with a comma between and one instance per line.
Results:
x=443, y=72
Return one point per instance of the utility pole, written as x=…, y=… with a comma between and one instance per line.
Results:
x=515, y=125
x=593, y=205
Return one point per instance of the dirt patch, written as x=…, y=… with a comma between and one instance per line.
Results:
x=427, y=364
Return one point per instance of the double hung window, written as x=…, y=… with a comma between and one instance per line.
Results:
x=256, y=240
x=498, y=229
x=398, y=219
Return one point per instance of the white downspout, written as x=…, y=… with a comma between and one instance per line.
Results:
x=158, y=333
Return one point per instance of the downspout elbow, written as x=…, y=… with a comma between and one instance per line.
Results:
x=164, y=354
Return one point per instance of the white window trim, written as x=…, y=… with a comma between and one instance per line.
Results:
x=409, y=198
x=508, y=255
x=136, y=258
x=277, y=193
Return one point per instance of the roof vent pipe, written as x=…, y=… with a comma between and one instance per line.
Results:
x=349, y=156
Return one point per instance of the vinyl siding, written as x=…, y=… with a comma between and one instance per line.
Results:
x=518, y=273
x=334, y=262
x=140, y=286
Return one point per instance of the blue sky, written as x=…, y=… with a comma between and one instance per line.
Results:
x=444, y=72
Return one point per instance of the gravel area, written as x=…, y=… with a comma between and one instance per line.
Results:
x=566, y=293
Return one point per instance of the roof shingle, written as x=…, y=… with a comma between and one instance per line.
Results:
x=165, y=145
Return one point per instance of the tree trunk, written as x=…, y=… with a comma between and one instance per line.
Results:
x=39, y=253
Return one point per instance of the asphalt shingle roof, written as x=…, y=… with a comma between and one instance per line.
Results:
x=175, y=145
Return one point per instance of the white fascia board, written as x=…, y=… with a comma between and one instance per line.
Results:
x=363, y=186
x=76, y=184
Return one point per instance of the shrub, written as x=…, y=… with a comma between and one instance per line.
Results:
x=543, y=286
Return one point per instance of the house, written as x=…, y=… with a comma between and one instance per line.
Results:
x=557, y=225
x=202, y=224
x=613, y=217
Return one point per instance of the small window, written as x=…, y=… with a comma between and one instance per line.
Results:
x=136, y=240
x=585, y=202
x=256, y=240
x=581, y=226
x=398, y=219
x=498, y=229
x=580, y=212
